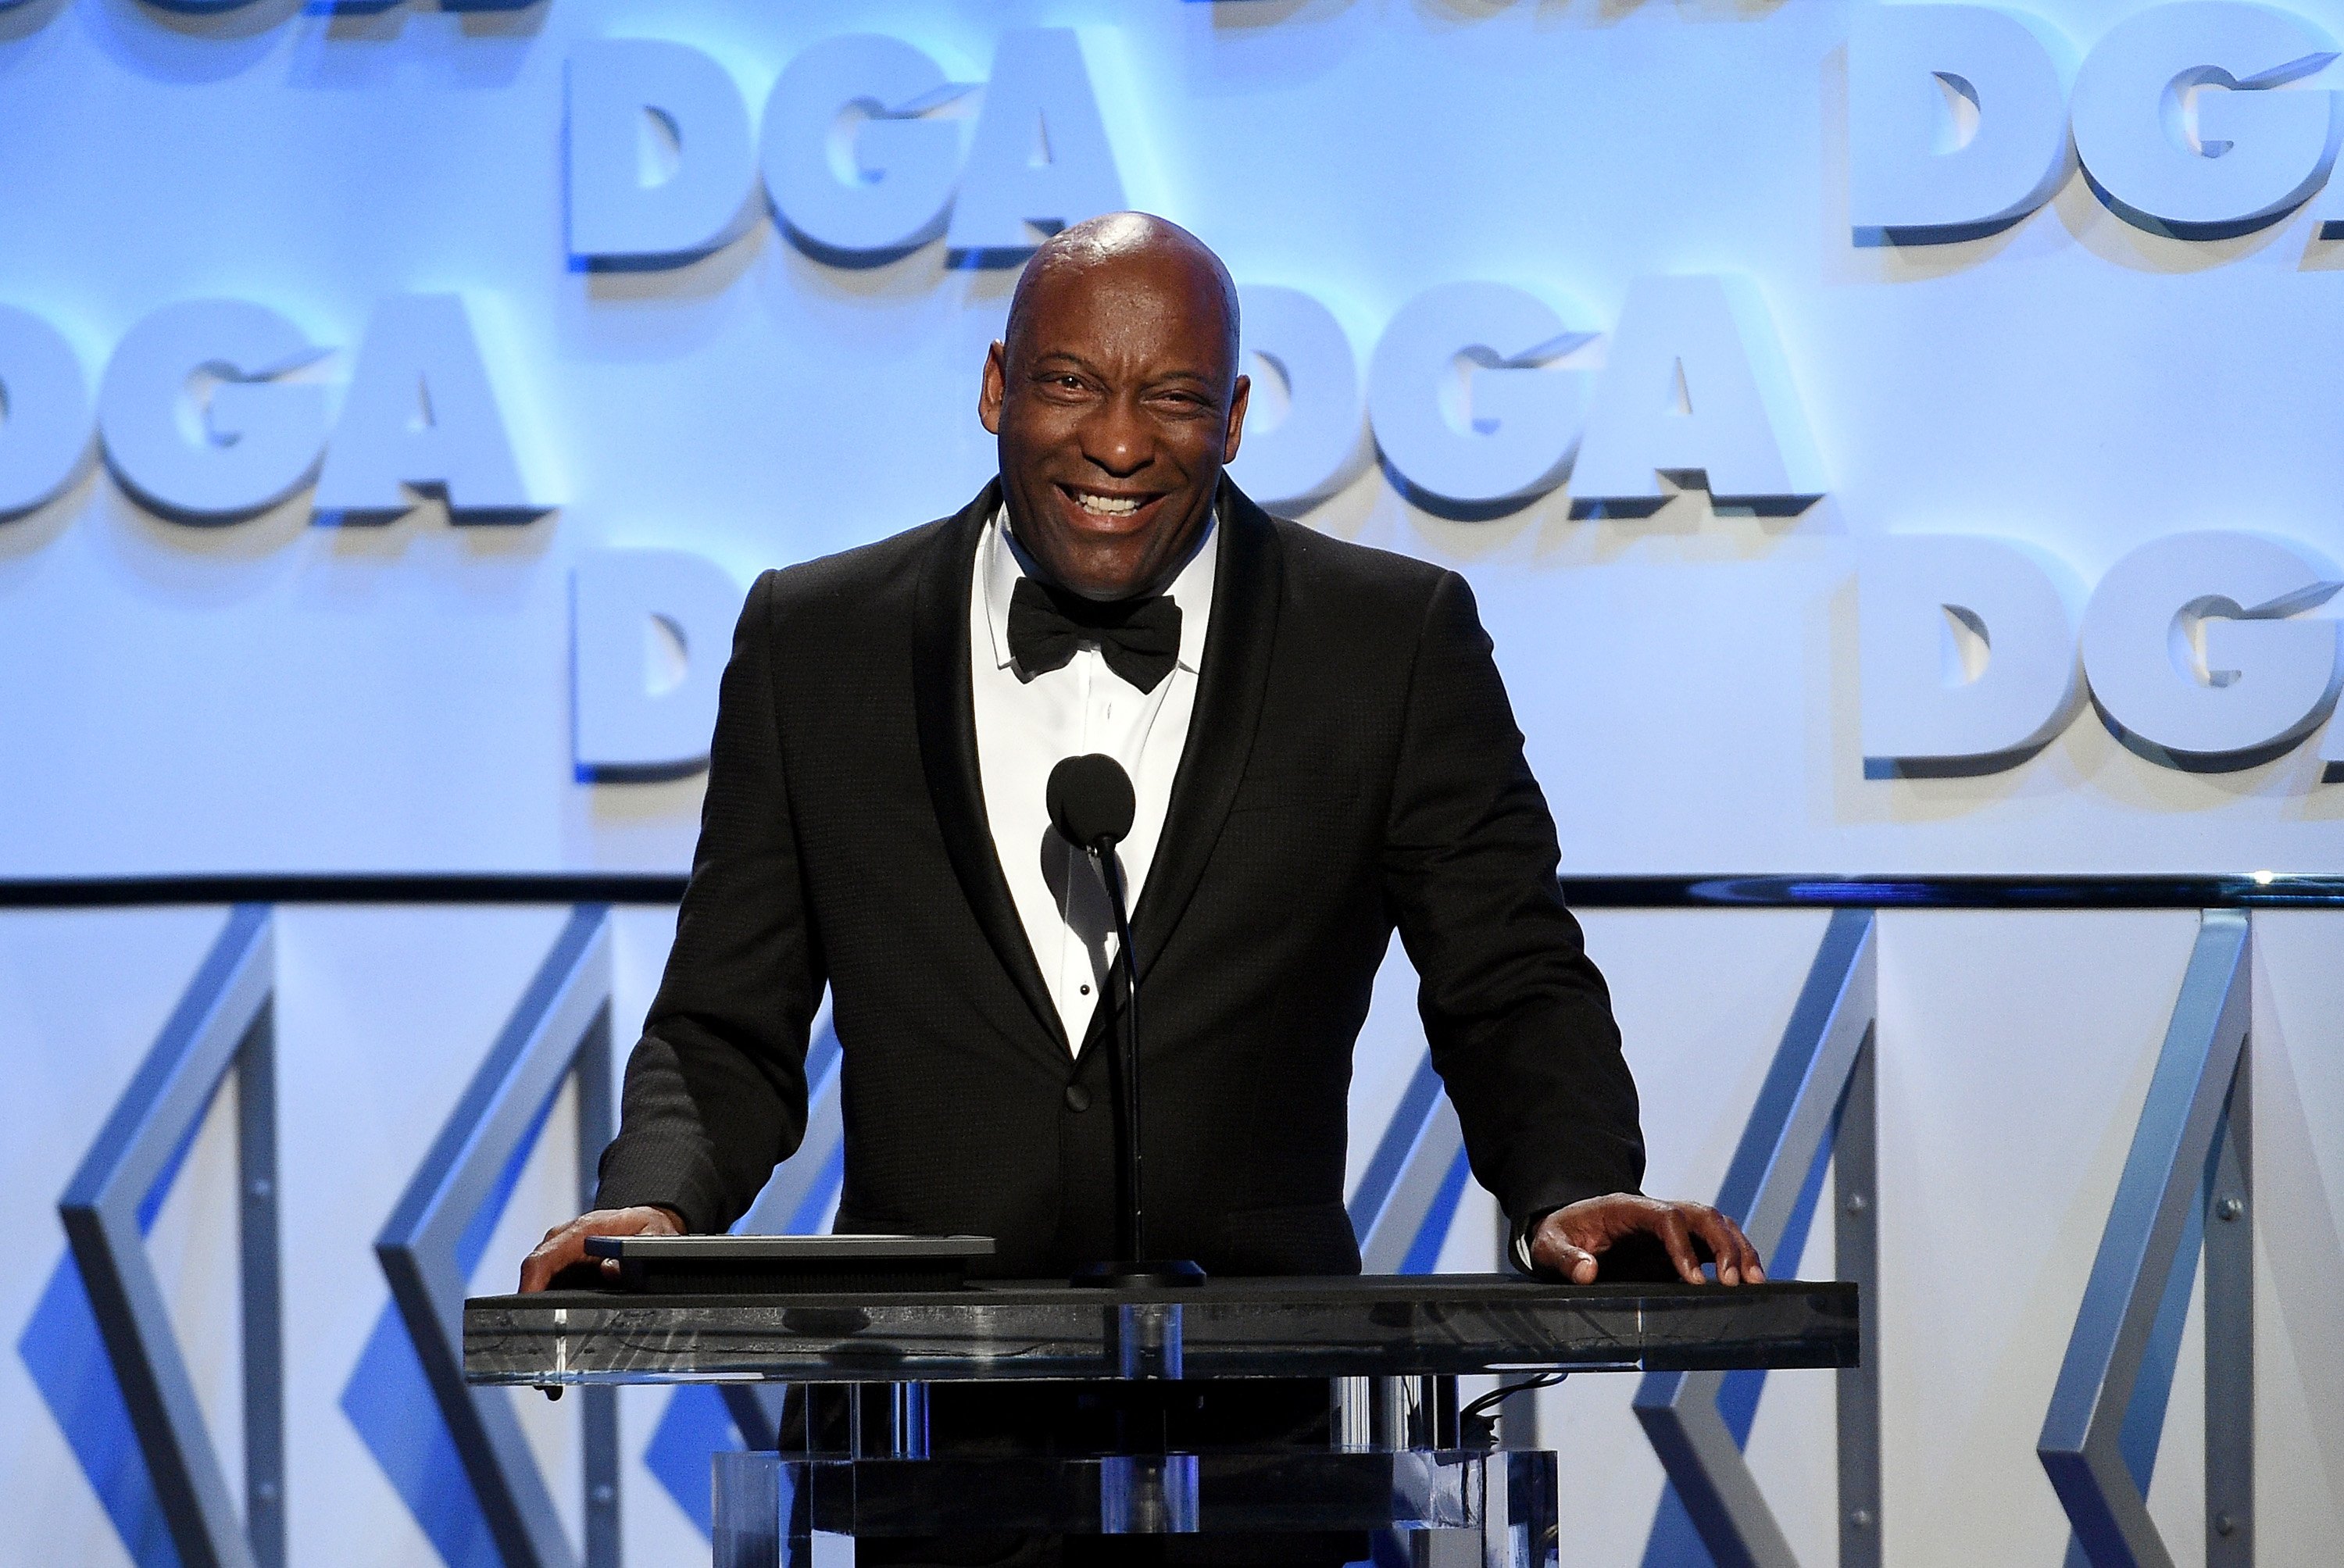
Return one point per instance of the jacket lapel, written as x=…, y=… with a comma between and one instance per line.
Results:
x=947, y=715
x=1248, y=581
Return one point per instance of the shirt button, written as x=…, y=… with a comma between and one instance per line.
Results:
x=1078, y=1099
x=1087, y=990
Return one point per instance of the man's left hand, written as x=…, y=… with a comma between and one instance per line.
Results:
x=1569, y=1240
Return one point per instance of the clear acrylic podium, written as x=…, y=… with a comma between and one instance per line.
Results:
x=1389, y=1348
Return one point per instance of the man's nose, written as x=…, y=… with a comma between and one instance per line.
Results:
x=1118, y=439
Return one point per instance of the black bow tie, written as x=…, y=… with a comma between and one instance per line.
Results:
x=1139, y=638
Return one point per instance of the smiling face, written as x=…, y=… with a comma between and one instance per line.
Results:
x=1117, y=401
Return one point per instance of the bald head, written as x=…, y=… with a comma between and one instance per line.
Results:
x=1095, y=251
x=1115, y=396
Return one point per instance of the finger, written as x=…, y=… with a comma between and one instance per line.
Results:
x=1550, y=1248
x=1746, y=1256
x=1744, y=1252
x=1753, y=1269
x=1575, y=1264
x=1678, y=1239
x=534, y=1272
x=1725, y=1242
x=565, y=1247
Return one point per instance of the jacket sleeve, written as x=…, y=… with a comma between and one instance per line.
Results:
x=715, y=1091
x=1518, y=1017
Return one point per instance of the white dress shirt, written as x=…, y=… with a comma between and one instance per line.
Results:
x=1026, y=726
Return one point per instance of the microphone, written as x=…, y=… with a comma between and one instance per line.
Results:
x=1092, y=804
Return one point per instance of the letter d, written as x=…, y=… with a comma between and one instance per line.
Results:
x=620, y=89
x=1924, y=711
x=650, y=630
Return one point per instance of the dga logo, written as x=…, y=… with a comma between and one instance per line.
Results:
x=2196, y=120
x=860, y=152
x=211, y=412
x=2194, y=649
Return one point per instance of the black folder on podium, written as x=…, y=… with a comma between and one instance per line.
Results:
x=789, y=1264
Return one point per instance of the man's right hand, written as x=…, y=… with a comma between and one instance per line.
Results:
x=565, y=1245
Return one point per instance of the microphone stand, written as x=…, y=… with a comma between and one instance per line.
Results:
x=1131, y=1222
x=1131, y=1225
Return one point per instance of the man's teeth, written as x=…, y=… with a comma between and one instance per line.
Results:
x=1107, y=505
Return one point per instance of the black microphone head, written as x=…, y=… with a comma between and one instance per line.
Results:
x=1091, y=802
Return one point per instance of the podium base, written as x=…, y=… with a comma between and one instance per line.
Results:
x=1499, y=1509
x=1170, y=1274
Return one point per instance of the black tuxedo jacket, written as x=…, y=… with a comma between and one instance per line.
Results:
x=1352, y=766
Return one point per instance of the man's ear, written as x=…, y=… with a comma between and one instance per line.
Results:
x=991, y=389
x=1239, y=391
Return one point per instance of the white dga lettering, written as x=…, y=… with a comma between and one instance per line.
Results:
x=855, y=167
x=1694, y=385
x=2195, y=653
x=649, y=631
x=1466, y=399
x=2185, y=117
x=45, y=414
x=1919, y=598
x=194, y=419
x=1912, y=176
x=1039, y=159
x=420, y=416
x=1316, y=445
x=661, y=163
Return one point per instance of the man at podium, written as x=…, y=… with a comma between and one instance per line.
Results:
x=1321, y=751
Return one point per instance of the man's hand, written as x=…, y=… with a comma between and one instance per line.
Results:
x=1571, y=1240
x=565, y=1245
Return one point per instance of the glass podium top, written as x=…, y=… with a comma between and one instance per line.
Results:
x=1369, y=1326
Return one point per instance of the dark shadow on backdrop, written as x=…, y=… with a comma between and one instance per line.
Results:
x=1442, y=506
x=23, y=21
x=2197, y=762
x=179, y=42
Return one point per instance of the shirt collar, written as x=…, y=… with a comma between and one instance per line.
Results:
x=1001, y=560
